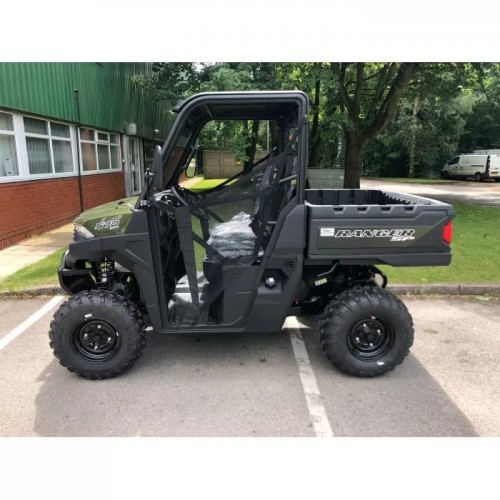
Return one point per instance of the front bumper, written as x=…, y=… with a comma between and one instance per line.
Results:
x=73, y=278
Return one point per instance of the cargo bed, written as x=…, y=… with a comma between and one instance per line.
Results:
x=360, y=226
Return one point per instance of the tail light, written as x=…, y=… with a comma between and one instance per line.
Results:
x=447, y=233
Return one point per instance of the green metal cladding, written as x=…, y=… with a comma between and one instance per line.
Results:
x=108, y=99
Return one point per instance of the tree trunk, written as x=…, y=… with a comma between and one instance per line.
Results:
x=314, y=155
x=413, y=139
x=315, y=132
x=353, y=153
x=252, y=146
x=362, y=131
x=273, y=129
x=338, y=159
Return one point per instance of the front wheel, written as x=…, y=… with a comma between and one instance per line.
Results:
x=366, y=331
x=97, y=334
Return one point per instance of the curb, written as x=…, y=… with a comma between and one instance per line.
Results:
x=446, y=289
x=436, y=289
x=33, y=292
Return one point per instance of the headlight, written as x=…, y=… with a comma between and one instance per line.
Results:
x=81, y=233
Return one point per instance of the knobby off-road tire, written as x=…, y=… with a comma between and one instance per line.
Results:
x=97, y=334
x=366, y=331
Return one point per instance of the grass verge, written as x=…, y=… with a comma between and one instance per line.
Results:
x=206, y=184
x=475, y=243
x=43, y=272
x=407, y=180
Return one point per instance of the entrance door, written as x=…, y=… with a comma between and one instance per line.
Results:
x=134, y=166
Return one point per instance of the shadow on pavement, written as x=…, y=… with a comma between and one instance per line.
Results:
x=405, y=402
x=184, y=385
x=241, y=385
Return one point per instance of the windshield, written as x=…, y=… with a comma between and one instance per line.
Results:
x=180, y=152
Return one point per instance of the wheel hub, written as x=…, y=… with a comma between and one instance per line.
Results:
x=95, y=340
x=370, y=338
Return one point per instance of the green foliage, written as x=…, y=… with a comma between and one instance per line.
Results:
x=224, y=136
x=170, y=82
x=436, y=131
x=458, y=109
x=236, y=137
x=482, y=129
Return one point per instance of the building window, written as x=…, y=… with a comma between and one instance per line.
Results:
x=8, y=155
x=48, y=145
x=100, y=150
x=34, y=148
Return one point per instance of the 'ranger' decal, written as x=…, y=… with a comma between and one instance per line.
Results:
x=392, y=234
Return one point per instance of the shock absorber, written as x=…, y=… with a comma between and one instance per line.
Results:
x=106, y=273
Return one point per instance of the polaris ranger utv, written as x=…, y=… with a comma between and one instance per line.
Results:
x=244, y=255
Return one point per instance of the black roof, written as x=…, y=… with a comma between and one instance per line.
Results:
x=256, y=104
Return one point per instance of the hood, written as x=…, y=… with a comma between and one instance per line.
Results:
x=105, y=220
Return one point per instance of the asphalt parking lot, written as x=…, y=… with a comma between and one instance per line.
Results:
x=485, y=193
x=476, y=193
x=260, y=385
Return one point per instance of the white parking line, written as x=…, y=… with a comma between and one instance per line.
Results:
x=30, y=321
x=314, y=400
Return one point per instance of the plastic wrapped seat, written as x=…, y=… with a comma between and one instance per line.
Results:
x=233, y=238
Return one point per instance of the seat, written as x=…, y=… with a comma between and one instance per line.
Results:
x=238, y=236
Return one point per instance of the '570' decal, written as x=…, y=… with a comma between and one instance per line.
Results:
x=392, y=234
x=107, y=224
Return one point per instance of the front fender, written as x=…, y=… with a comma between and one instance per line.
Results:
x=131, y=251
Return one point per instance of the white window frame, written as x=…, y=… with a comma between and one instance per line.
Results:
x=50, y=137
x=96, y=142
x=20, y=135
x=18, y=177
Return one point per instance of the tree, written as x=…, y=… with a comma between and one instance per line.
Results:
x=482, y=129
x=398, y=118
x=369, y=93
x=429, y=123
x=310, y=78
x=170, y=81
x=241, y=76
x=424, y=141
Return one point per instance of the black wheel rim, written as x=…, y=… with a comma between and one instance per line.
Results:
x=95, y=340
x=370, y=339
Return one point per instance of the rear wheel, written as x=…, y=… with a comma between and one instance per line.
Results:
x=97, y=334
x=477, y=177
x=366, y=331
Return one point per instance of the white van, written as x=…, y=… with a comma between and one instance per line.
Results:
x=479, y=166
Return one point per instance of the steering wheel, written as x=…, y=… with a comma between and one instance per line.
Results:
x=178, y=196
x=199, y=212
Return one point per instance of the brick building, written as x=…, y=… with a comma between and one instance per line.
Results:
x=72, y=135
